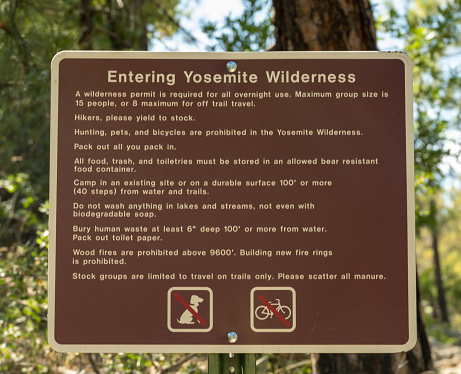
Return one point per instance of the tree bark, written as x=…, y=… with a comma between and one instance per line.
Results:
x=86, y=24
x=324, y=25
x=416, y=361
x=443, y=309
x=344, y=25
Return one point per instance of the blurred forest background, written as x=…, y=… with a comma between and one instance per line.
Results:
x=33, y=31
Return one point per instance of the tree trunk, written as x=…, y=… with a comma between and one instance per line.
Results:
x=443, y=309
x=344, y=25
x=416, y=361
x=86, y=24
x=324, y=25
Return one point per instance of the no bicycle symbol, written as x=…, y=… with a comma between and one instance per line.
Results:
x=190, y=309
x=273, y=309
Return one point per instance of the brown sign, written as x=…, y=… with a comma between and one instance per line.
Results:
x=192, y=197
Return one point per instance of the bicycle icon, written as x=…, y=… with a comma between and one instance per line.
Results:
x=263, y=312
x=263, y=309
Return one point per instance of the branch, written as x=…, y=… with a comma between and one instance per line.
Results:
x=114, y=35
x=293, y=366
x=175, y=22
x=178, y=364
x=86, y=23
x=25, y=51
x=93, y=363
x=4, y=28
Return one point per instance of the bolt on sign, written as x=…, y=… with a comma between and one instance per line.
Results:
x=232, y=202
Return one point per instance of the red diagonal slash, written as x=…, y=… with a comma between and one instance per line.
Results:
x=273, y=310
x=189, y=308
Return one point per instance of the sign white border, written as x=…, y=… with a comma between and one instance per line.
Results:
x=233, y=348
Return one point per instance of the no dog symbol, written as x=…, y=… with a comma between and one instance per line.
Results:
x=190, y=309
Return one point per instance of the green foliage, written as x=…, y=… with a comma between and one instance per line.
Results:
x=252, y=31
x=28, y=40
x=285, y=363
x=23, y=300
x=21, y=210
x=31, y=33
x=124, y=25
x=29, y=37
x=429, y=30
x=449, y=230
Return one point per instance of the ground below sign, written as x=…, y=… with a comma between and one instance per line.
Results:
x=270, y=195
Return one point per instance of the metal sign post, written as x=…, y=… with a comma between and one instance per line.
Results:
x=197, y=194
x=230, y=363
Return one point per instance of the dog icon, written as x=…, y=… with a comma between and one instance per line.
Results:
x=187, y=318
